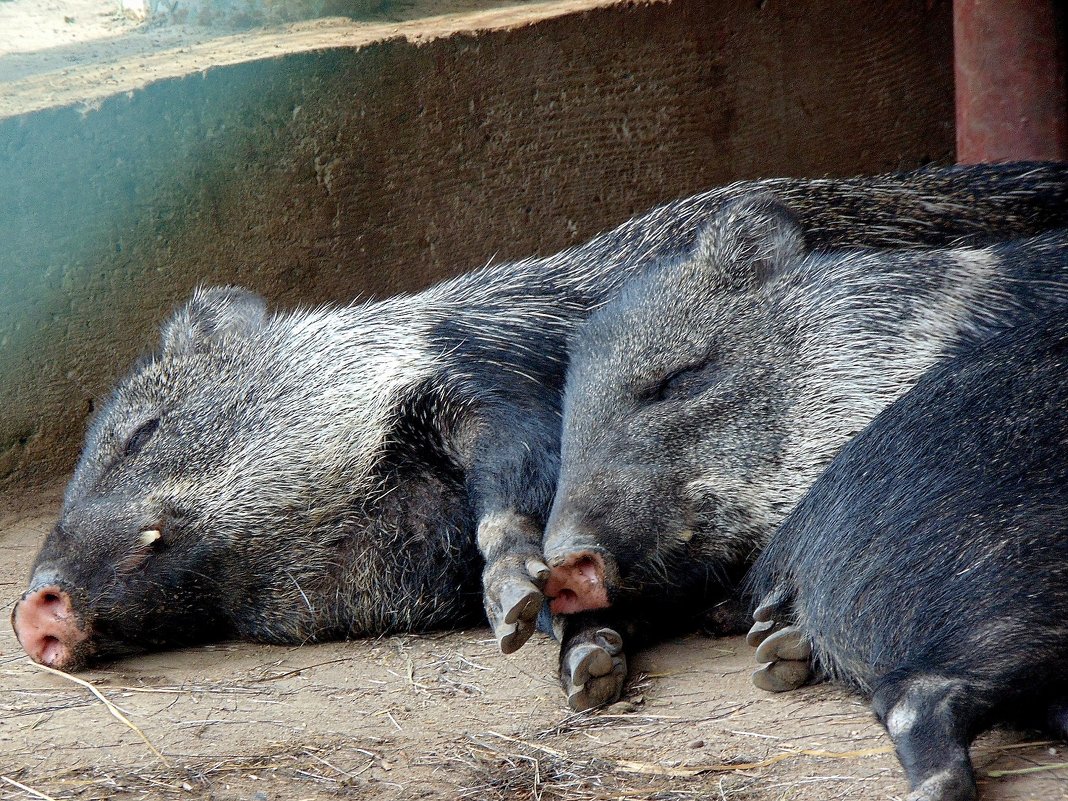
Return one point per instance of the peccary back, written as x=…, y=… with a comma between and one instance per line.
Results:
x=928, y=566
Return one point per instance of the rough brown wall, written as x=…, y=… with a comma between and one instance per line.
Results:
x=322, y=176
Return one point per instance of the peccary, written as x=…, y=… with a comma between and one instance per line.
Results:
x=319, y=474
x=928, y=566
x=704, y=400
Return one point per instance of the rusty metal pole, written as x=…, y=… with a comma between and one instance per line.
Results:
x=1010, y=81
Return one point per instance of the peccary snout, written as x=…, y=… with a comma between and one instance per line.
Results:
x=577, y=582
x=581, y=572
x=46, y=625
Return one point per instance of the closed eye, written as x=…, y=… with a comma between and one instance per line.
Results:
x=139, y=437
x=686, y=382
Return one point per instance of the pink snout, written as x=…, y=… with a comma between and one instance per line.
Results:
x=47, y=627
x=577, y=583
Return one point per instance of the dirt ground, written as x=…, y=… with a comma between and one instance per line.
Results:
x=441, y=716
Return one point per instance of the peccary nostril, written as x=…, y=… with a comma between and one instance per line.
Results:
x=567, y=599
x=52, y=651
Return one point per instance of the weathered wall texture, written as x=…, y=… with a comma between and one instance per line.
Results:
x=246, y=12
x=326, y=175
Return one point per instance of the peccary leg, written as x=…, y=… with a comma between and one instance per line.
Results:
x=512, y=578
x=593, y=663
x=512, y=452
x=931, y=720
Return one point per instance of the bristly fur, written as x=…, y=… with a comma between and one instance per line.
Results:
x=704, y=401
x=323, y=473
x=928, y=566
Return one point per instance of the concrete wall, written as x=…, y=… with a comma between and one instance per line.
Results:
x=325, y=175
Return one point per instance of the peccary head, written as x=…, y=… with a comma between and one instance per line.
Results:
x=239, y=482
x=675, y=409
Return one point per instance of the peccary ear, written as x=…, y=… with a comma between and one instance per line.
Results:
x=213, y=314
x=749, y=240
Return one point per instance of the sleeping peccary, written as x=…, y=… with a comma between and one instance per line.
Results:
x=293, y=477
x=928, y=566
x=705, y=399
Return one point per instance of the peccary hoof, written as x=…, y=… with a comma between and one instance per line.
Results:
x=521, y=608
x=788, y=644
x=759, y=632
x=779, y=677
x=593, y=671
x=771, y=607
x=514, y=613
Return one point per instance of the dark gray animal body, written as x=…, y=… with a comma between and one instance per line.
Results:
x=319, y=474
x=704, y=401
x=928, y=566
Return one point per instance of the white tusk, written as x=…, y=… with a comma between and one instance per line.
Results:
x=149, y=536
